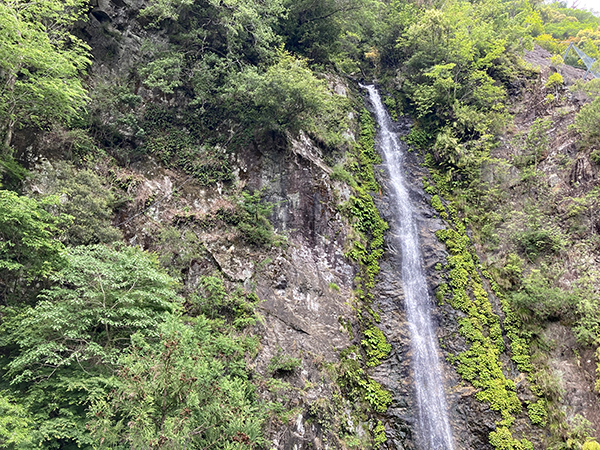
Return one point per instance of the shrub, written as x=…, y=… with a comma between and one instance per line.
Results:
x=543, y=300
x=339, y=173
x=586, y=122
x=282, y=363
x=554, y=81
x=539, y=241
x=255, y=227
x=83, y=196
x=214, y=301
x=175, y=148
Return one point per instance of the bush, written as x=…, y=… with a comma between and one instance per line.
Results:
x=83, y=196
x=282, y=363
x=288, y=97
x=255, y=227
x=179, y=149
x=214, y=301
x=543, y=300
x=586, y=122
x=538, y=413
x=555, y=81
x=539, y=241
x=339, y=173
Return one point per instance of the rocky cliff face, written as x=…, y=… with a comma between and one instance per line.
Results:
x=566, y=175
x=471, y=420
x=306, y=283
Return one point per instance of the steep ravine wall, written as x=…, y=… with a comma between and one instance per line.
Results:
x=471, y=420
x=306, y=283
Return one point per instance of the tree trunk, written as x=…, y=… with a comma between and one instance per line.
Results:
x=10, y=122
x=8, y=137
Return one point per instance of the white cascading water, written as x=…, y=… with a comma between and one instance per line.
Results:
x=433, y=426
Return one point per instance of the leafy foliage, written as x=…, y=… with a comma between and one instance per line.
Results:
x=287, y=96
x=85, y=198
x=213, y=301
x=15, y=424
x=102, y=358
x=178, y=149
x=359, y=385
x=28, y=250
x=168, y=394
x=586, y=122
x=99, y=300
x=237, y=70
x=314, y=28
x=375, y=345
x=282, y=363
x=454, y=55
x=558, y=26
x=61, y=351
x=40, y=64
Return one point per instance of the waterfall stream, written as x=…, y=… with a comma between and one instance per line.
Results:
x=433, y=426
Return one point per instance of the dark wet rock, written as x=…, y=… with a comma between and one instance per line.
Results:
x=471, y=421
x=581, y=172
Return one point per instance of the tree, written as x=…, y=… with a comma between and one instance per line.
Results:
x=184, y=391
x=29, y=250
x=40, y=64
x=101, y=298
x=62, y=352
x=310, y=27
x=287, y=97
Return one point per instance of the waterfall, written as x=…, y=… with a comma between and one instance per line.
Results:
x=433, y=431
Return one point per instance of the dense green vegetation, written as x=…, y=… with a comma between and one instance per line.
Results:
x=105, y=345
x=520, y=232
x=41, y=64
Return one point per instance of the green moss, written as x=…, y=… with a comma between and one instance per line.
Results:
x=379, y=436
x=428, y=187
x=436, y=203
x=364, y=155
x=502, y=439
x=375, y=345
x=538, y=412
x=364, y=216
x=480, y=364
x=358, y=385
x=334, y=287
x=366, y=249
